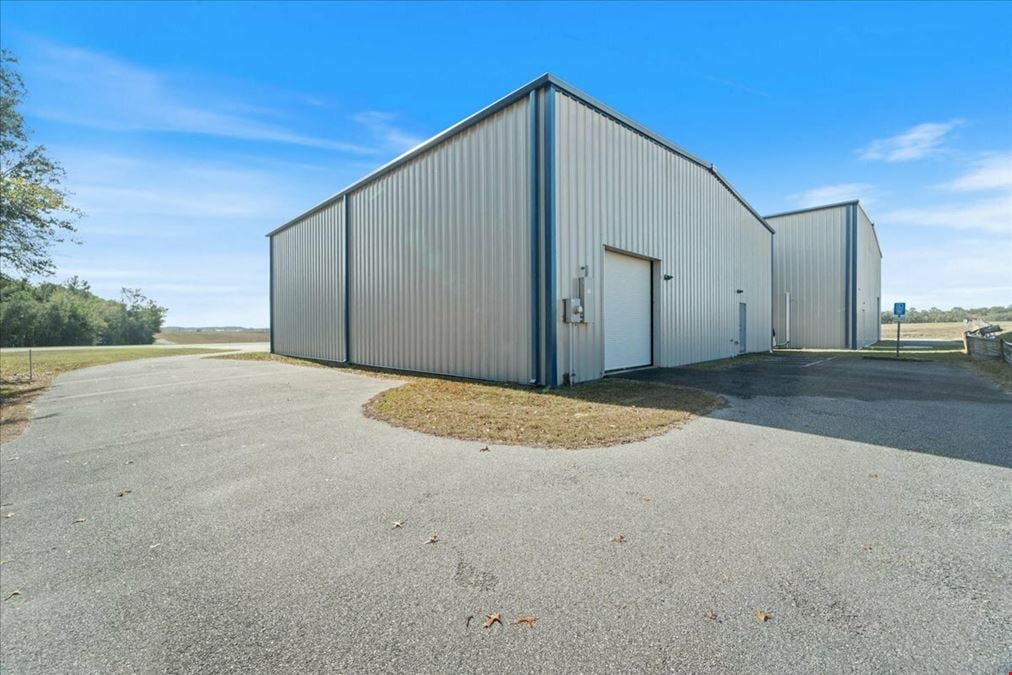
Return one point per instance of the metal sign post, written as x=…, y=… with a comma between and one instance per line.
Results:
x=899, y=311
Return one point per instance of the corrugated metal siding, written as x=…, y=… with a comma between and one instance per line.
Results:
x=869, y=282
x=440, y=257
x=619, y=189
x=809, y=254
x=307, y=287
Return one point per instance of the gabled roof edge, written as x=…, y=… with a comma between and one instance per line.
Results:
x=814, y=208
x=498, y=105
x=852, y=202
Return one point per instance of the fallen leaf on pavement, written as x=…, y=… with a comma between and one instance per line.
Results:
x=491, y=619
x=400, y=523
x=528, y=619
x=711, y=615
x=618, y=538
x=762, y=616
x=485, y=449
x=434, y=539
x=647, y=499
x=123, y=493
x=872, y=476
x=79, y=520
x=12, y=595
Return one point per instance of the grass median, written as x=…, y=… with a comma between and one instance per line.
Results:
x=199, y=337
x=595, y=414
x=17, y=391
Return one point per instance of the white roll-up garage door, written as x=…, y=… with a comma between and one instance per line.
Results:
x=627, y=311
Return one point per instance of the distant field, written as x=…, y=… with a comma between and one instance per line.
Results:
x=212, y=337
x=927, y=331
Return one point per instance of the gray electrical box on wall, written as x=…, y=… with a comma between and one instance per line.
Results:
x=572, y=310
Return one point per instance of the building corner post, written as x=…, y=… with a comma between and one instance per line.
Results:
x=347, y=277
x=551, y=302
x=535, y=197
x=270, y=289
x=847, y=281
x=853, y=277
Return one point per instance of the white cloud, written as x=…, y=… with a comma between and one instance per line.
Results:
x=92, y=89
x=986, y=215
x=188, y=232
x=915, y=143
x=993, y=171
x=198, y=288
x=966, y=272
x=124, y=193
x=383, y=130
x=832, y=194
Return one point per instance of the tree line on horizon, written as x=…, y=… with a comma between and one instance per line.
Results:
x=935, y=315
x=35, y=215
x=48, y=314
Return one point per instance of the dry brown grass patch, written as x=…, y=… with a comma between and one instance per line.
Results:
x=596, y=414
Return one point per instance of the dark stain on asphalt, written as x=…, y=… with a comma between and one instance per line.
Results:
x=468, y=575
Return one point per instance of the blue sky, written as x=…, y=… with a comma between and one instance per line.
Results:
x=190, y=130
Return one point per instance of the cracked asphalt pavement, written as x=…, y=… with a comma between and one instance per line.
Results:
x=866, y=506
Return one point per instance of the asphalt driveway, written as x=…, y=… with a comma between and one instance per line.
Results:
x=256, y=534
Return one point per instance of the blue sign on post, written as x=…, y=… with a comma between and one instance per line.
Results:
x=899, y=311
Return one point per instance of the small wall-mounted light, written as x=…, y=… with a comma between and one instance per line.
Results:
x=668, y=277
x=739, y=291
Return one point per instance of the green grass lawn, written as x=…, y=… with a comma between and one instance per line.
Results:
x=17, y=391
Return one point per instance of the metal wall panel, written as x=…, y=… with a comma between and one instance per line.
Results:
x=619, y=189
x=307, y=287
x=440, y=257
x=809, y=261
x=869, y=282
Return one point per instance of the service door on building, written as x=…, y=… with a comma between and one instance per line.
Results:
x=628, y=311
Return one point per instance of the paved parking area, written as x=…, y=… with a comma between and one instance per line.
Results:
x=921, y=406
x=866, y=506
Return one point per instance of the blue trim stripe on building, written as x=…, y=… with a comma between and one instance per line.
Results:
x=853, y=277
x=535, y=244
x=270, y=291
x=846, y=278
x=347, y=278
x=551, y=303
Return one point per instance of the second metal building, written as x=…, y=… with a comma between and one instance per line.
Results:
x=827, y=278
x=546, y=239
